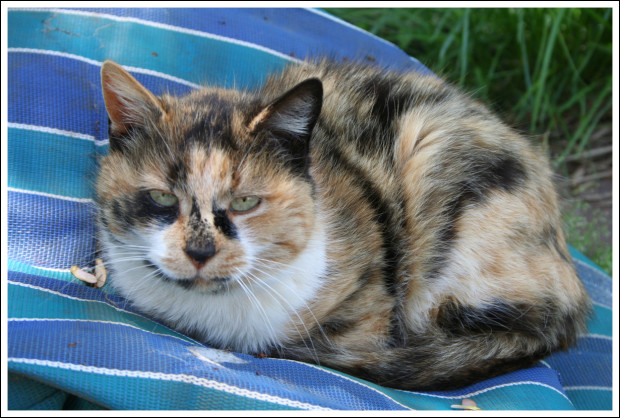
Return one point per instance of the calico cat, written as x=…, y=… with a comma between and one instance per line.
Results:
x=376, y=222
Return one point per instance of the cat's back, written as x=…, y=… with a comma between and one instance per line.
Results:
x=446, y=179
x=451, y=216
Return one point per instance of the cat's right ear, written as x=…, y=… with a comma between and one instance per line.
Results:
x=129, y=103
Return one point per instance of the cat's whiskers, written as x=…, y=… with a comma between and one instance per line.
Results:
x=136, y=287
x=261, y=262
x=265, y=262
x=254, y=300
x=142, y=265
x=271, y=292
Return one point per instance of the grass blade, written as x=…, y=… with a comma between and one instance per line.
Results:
x=545, y=67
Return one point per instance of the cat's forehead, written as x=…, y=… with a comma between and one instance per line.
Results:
x=209, y=171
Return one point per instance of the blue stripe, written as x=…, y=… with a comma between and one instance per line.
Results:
x=74, y=301
x=50, y=163
x=579, y=256
x=119, y=347
x=519, y=395
x=190, y=57
x=587, y=364
x=131, y=393
x=49, y=232
x=63, y=93
x=585, y=399
x=601, y=321
x=98, y=344
x=16, y=266
x=73, y=290
x=55, y=92
x=538, y=373
x=295, y=32
x=597, y=283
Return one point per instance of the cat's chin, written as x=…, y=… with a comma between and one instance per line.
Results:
x=198, y=284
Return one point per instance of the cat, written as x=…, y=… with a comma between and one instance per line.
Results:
x=380, y=223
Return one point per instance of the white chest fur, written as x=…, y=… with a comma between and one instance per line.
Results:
x=249, y=318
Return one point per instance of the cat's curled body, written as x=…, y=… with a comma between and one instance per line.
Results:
x=376, y=222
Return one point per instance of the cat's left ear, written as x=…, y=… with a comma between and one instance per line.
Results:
x=127, y=101
x=291, y=118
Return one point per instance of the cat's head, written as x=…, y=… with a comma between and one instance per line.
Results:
x=203, y=189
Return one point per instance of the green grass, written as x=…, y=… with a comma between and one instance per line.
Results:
x=588, y=235
x=547, y=72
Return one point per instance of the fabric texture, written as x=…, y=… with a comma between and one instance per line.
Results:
x=75, y=347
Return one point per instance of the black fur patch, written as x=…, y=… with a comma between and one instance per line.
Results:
x=398, y=328
x=388, y=104
x=145, y=209
x=118, y=143
x=211, y=132
x=139, y=208
x=387, y=214
x=104, y=220
x=177, y=174
x=505, y=172
x=432, y=98
x=119, y=213
x=301, y=105
x=550, y=239
x=223, y=223
x=337, y=326
x=499, y=316
x=485, y=173
x=415, y=368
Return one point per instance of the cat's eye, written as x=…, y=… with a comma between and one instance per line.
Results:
x=244, y=204
x=163, y=199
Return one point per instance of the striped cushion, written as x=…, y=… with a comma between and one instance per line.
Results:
x=76, y=347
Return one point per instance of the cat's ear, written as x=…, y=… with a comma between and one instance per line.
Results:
x=127, y=101
x=291, y=118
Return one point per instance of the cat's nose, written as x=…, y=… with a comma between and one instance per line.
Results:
x=200, y=255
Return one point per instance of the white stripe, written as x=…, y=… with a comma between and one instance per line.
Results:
x=365, y=32
x=347, y=24
x=55, y=53
x=525, y=382
x=166, y=27
x=598, y=270
x=545, y=364
x=183, y=378
x=53, y=292
x=162, y=75
x=601, y=305
x=54, y=131
x=99, y=64
x=378, y=392
x=95, y=321
x=51, y=269
x=606, y=388
x=53, y=196
x=601, y=336
x=110, y=304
